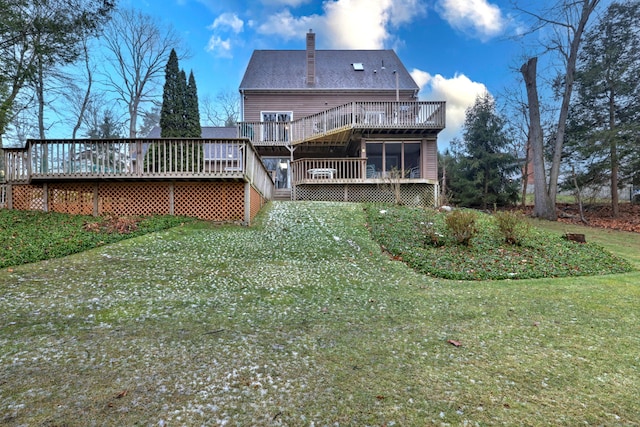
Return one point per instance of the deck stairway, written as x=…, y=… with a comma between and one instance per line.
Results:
x=282, y=194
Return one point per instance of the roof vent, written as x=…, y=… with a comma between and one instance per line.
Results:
x=357, y=66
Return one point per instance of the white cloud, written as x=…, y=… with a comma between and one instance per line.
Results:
x=228, y=21
x=219, y=47
x=459, y=92
x=357, y=24
x=292, y=3
x=348, y=24
x=219, y=43
x=287, y=26
x=478, y=18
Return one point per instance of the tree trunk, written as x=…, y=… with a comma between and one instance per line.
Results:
x=587, y=7
x=443, y=190
x=525, y=173
x=87, y=93
x=543, y=205
x=40, y=97
x=613, y=154
x=133, y=119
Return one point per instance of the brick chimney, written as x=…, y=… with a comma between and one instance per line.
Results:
x=311, y=58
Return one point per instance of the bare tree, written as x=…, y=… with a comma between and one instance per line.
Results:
x=82, y=98
x=517, y=125
x=138, y=48
x=568, y=20
x=224, y=110
x=37, y=36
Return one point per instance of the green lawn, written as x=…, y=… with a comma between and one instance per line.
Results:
x=302, y=320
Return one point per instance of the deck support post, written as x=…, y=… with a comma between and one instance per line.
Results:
x=247, y=203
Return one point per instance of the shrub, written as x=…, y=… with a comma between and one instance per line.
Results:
x=511, y=226
x=431, y=236
x=462, y=225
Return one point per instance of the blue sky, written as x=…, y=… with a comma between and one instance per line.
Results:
x=454, y=49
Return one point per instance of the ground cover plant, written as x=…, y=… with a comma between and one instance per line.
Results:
x=469, y=245
x=303, y=320
x=29, y=236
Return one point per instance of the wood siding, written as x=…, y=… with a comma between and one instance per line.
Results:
x=430, y=159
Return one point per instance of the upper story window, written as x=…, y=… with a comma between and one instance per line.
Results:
x=276, y=116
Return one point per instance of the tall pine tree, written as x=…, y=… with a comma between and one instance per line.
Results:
x=603, y=125
x=192, y=111
x=483, y=172
x=179, y=118
x=173, y=100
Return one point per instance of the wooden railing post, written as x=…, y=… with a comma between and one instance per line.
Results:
x=29, y=160
x=139, y=159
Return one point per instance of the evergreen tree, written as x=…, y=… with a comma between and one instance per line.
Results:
x=182, y=90
x=172, y=112
x=603, y=121
x=192, y=111
x=482, y=173
x=150, y=119
x=107, y=129
x=179, y=118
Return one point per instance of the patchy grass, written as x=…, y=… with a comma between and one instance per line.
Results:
x=425, y=240
x=30, y=236
x=621, y=243
x=303, y=321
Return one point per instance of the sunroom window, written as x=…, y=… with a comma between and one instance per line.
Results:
x=401, y=157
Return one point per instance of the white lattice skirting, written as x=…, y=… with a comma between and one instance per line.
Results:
x=410, y=194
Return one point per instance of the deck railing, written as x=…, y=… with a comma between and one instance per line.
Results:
x=326, y=170
x=135, y=158
x=354, y=115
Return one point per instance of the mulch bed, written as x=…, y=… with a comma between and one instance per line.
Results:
x=600, y=216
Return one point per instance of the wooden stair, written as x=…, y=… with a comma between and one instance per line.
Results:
x=282, y=194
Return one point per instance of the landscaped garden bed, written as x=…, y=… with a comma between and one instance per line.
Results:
x=500, y=246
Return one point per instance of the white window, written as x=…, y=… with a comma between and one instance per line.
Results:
x=275, y=125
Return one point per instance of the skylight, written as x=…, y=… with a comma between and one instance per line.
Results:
x=357, y=66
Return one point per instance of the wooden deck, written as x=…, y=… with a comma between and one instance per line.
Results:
x=135, y=159
x=336, y=125
x=221, y=180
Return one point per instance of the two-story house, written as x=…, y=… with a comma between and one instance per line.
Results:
x=341, y=124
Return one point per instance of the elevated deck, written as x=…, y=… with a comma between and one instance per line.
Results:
x=335, y=126
x=221, y=180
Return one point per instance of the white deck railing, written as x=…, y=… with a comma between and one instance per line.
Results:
x=327, y=170
x=136, y=159
x=409, y=115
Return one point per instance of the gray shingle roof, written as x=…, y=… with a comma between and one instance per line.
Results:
x=287, y=69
